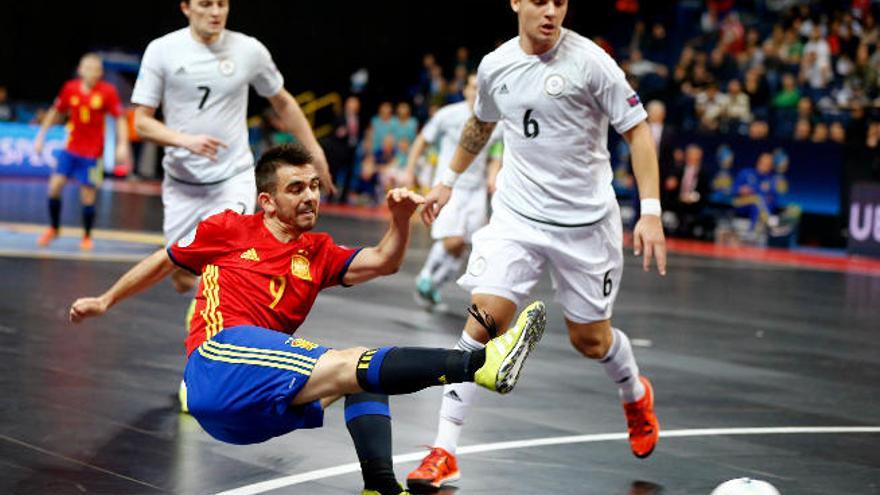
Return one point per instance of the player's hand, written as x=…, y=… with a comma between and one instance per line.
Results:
x=434, y=202
x=87, y=307
x=204, y=145
x=324, y=173
x=403, y=203
x=39, y=143
x=648, y=238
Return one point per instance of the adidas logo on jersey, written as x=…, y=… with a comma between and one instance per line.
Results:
x=180, y=70
x=503, y=90
x=250, y=254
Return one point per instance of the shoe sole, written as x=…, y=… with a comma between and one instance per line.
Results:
x=508, y=374
x=428, y=486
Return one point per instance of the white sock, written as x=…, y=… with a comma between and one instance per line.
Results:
x=620, y=365
x=435, y=258
x=457, y=399
x=448, y=269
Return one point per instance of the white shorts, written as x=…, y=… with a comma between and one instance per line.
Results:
x=463, y=215
x=186, y=205
x=586, y=263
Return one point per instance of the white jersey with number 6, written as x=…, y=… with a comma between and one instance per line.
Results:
x=203, y=89
x=555, y=109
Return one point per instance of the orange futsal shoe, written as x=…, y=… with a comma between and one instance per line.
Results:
x=85, y=244
x=48, y=236
x=438, y=468
x=644, y=429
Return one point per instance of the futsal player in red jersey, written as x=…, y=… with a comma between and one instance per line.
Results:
x=247, y=377
x=87, y=100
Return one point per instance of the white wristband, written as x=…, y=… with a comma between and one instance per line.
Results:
x=449, y=177
x=651, y=206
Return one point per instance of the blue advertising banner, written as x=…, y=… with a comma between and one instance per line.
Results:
x=17, y=156
x=812, y=172
x=864, y=219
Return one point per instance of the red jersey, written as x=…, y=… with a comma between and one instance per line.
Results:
x=87, y=110
x=251, y=278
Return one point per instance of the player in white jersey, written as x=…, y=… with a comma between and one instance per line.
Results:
x=200, y=76
x=555, y=93
x=467, y=211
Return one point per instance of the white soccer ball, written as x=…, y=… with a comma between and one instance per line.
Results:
x=745, y=486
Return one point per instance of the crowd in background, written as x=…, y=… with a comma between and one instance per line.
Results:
x=761, y=69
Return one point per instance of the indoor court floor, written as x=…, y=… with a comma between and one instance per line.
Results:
x=762, y=370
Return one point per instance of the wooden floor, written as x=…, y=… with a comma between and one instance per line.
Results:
x=760, y=370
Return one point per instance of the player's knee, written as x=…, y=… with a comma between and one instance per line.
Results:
x=340, y=366
x=454, y=246
x=591, y=344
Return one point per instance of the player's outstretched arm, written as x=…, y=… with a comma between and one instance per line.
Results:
x=648, y=234
x=145, y=274
x=151, y=128
x=386, y=257
x=474, y=137
x=295, y=121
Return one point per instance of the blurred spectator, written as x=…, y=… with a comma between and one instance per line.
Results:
x=759, y=130
x=386, y=162
x=805, y=110
x=759, y=93
x=663, y=134
x=437, y=87
x=732, y=38
x=455, y=88
x=7, y=113
x=755, y=192
x=404, y=124
x=722, y=182
x=463, y=59
x=802, y=130
x=864, y=79
x=691, y=194
x=721, y=65
x=710, y=105
x=820, y=133
x=837, y=132
x=788, y=95
x=818, y=46
x=382, y=124
x=639, y=67
x=343, y=146
x=737, y=110
x=815, y=75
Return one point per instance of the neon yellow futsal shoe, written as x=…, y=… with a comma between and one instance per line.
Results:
x=506, y=353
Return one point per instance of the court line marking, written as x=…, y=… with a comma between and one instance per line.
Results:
x=318, y=474
x=76, y=461
x=142, y=237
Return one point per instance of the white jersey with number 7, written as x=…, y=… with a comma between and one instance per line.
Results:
x=203, y=89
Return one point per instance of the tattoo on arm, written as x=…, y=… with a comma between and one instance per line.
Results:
x=476, y=134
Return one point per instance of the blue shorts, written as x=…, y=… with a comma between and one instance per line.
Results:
x=85, y=170
x=240, y=384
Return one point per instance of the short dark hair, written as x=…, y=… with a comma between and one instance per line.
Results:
x=292, y=154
